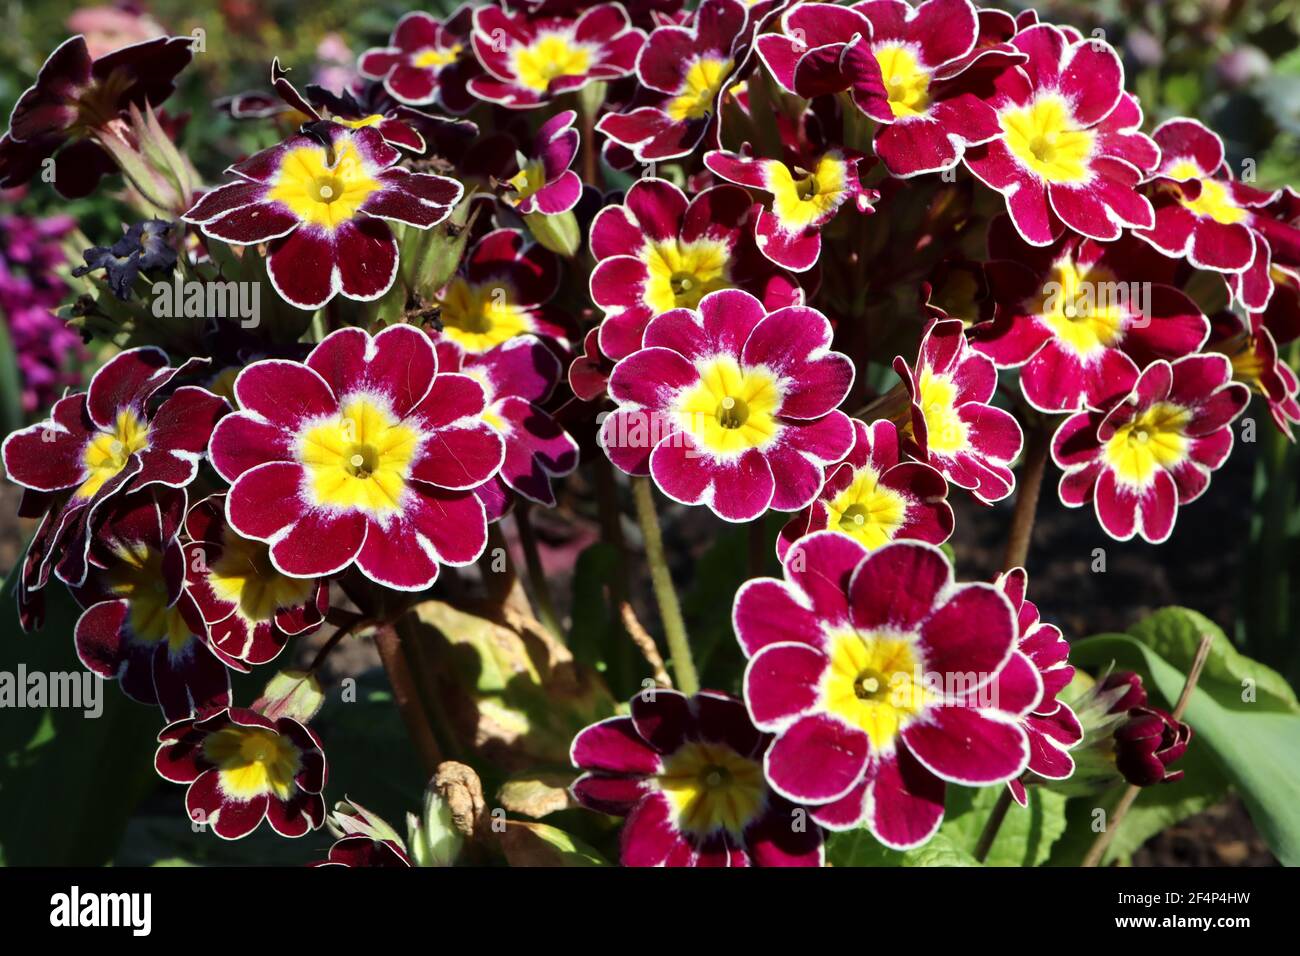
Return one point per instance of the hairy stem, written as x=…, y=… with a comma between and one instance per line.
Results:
x=670, y=610
x=407, y=696
x=1031, y=483
x=994, y=824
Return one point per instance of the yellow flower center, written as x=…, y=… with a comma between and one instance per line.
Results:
x=1215, y=201
x=318, y=192
x=108, y=452
x=99, y=104
x=732, y=409
x=360, y=459
x=478, y=317
x=374, y=119
x=434, y=57
x=1247, y=364
x=530, y=178
x=907, y=83
x=704, y=78
x=682, y=273
x=253, y=761
x=1044, y=137
x=1152, y=441
x=711, y=787
x=1081, y=308
x=245, y=576
x=799, y=202
x=137, y=577
x=866, y=511
x=875, y=684
x=945, y=431
x=551, y=55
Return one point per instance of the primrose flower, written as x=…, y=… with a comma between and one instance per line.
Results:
x=76, y=98
x=589, y=372
x=426, y=61
x=1080, y=317
x=875, y=496
x=803, y=200
x=951, y=424
x=365, y=839
x=243, y=768
x=685, y=69
x=250, y=609
x=732, y=406
x=1051, y=727
x=1069, y=153
x=660, y=251
x=1256, y=363
x=905, y=67
x=127, y=432
x=1154, y=450
x=545, y=184
x=141, y=626
x=1206, y=217
x=530, y=61
x=518, y=376
x=320, y=198
x=500, y=292
x=687, y=773
x=882, y=680
x=366, y=455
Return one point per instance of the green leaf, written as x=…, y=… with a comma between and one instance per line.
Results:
x=1027, y=833
x=1174, y=633
x=538, y=844
x=68, y=782
x=860, y=848
x=1255, y=747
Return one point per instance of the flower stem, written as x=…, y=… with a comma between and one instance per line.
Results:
x=670, y=611
x=536, y=573
x=407, y=696
x=1106, y=836
x=1031, y=483
x=993, y=825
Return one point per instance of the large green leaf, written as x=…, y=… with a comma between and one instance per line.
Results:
x=860, y=848
x=68, y=783
x=1027, y=833
x=1255, y=745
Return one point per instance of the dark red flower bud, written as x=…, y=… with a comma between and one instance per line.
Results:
x=1147, y=744
x=1136, y=695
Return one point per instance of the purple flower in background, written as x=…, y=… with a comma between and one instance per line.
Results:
x=48, y=352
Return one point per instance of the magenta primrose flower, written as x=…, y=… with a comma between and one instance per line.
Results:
x=950, y=423
x=545, y=184
x=803, y=200
x=687, y=773
x=732, y=406
x=1069, y=153
x=249, y=608
x=129, y=431
x=1155, y=449
x=906, y=68
x=1256, y=362
x=1207, y=217
x=141, y=625
x=426, y=61
x=531, y=60
x=683, y=69
x=1080, y=318
x=660, y=251
x=500, y=292
x=365, y=454
x=882, y=680
x=243, y=768
x=875, y=496
x=321, y=199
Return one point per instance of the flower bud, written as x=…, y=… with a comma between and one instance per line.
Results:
x=1135, y=695
x=559, y=233
x=1147, y=744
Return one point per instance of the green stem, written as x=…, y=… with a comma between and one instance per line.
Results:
x=993, y=825
x=1031, y=483
x=670, y=610
x=536, y=573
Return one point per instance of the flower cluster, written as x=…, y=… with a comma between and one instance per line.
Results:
x=869, y=266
